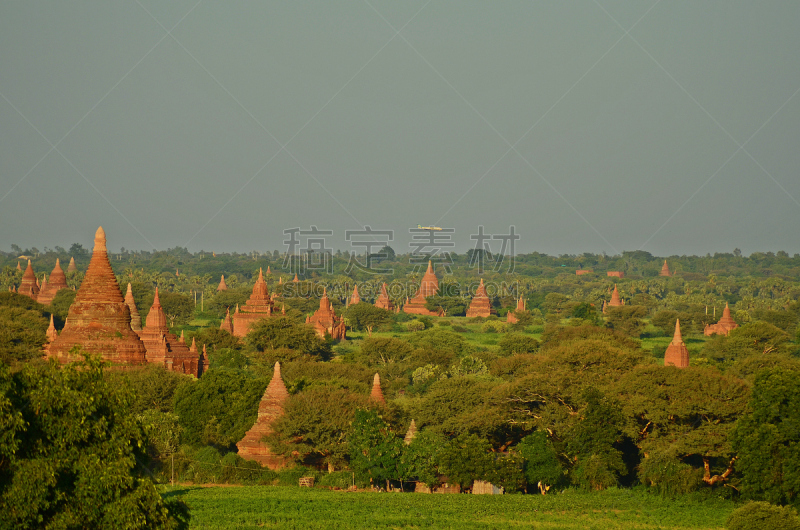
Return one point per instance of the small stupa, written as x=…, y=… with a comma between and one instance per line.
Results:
x=355, y=298
x=724, y=326
x=258, y=306
x=51, y=331
x=664, y=270
x=383, y=300
x=222, y=285
x=377, y=394
x=227, y=324
x=136, y=318
x=253, y=446
x=511, y=318
x=480, y=306
x=677, y=354
x=411, y=433
x=428, y=287
x=71, y=267
x=29, y=286
x=615, y=299
x=99, y=320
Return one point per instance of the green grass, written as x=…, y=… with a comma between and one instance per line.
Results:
x=291, y=507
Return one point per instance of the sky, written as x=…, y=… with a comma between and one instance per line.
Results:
x=587, y=126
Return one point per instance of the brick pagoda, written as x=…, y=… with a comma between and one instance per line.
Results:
x=325, y=321
x=71, y=267
x=480, y=306
x=29, y=286
x=163, y=347
x=260, y=305
x=511, y=318
x=664, y=270
x=355, y=298
x=376, y=394
x=227, y=323
x=58, y=281
x=383, y=300
x=724, y=326
x=428, y=287
x=252, y=446
x=99, y=320
x=222, y=285
x=136, y=318
x=677, y=354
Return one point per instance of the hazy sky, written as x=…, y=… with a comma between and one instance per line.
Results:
x=589, y=126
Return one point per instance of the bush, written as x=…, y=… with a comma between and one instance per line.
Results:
x=415, y=325
x=762, y=516
x=494, y=326
x=668, y=475
x=292, y=476
x=514, y=343
x=462, y=329
x=340, y=480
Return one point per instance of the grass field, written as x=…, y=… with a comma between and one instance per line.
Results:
x=289, y=507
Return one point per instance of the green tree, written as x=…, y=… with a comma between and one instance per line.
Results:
x=767, y=438
x=763, y=515
x=420, y=459
x=375, y=449
x=385, y=350
x=542, y=468
x=281, y=332
x=367, y=317
x=626, y=319
x=316, y=425
x=178, y=308
x=59, y=307
x=515, y=344
x=69, y=453
x=467, y=458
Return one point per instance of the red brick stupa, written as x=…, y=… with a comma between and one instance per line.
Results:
x=259, y=306
x=58, y=281
x=480, y=306
x=664, y=270
x=428, y=287
x=325, y=321
x=677, y=354
x=71, y=267
x=99, y=320
x=355, y=298
x=615, y=300
x=227, y=324
x=383, y=300
x=376, y=394
x=222, y=285
x=724, y=326
x=136, y=318
x=29, y=286
x=252, y=446
x=511, y=318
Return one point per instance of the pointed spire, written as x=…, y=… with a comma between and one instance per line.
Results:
x=355, y=298
x=676, y=338
x=100, y=240
x=136, y=318
x=260, y=275
x=615, y=300
x=295, y=279
x=664, y=270
x=19, y=268
x=51, y=330
x=227, y=323
x=222, y=285
x=182, y=339
x=280, y=279
x=29, y=286
x=377, y=393
x=193, y=347
x=156, y=320
x=72, y=267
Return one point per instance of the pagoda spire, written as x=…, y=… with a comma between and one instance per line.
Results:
x=377, y=394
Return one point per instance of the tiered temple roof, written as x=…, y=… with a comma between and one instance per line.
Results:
x=428, y=287
x=136, y=318
x=260, y=305
x=664, y=270
x=222, y=285
x=99, y=320
x=163, y=347
x=677, y=354
x=383, y=300
x=252, y=446
x=724, y=326
x=29, y=286
x=325, y=321
x=377, y=394
x=480, y=306
x=355, y=298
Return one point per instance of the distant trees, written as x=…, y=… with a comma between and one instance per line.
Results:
x=366, y=317
x=280, y=332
